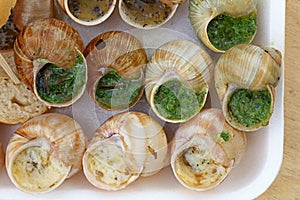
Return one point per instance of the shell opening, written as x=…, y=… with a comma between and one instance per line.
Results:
x=54, y=84
x=90, y=12
x=225, y=31
x=174, y=100
x=113, y=91
x=249, y=108
x=108, y=165
x=196, y=167
x=36, y=171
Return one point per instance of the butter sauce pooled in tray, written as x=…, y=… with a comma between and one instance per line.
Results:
x=159, y=111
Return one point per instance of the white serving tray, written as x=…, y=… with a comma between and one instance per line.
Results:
x=248, y=180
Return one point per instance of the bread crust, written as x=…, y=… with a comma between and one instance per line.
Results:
x=17, y=102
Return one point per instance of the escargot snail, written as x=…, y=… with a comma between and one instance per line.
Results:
x=245, y=80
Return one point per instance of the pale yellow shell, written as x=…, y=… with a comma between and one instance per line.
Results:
x=48, y=41
x=26, y=11
x=45, y=151
x=202, y=12
x=128, y=13
x=182, y=60
x=1, y=156
x=65, y=7
x=249, y=67
x=201, y=157
x=125, y=147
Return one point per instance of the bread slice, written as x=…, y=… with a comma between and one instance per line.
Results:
x=17, y=102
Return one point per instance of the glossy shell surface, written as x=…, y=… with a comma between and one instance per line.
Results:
x=47, y=41
x=250, y=67
x=45, y=151
x=123, y=148
x=205, y=149
x=182, y=60
x=202, y=12
x=118, y=51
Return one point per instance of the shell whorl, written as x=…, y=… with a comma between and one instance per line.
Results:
x=247, y=66
x=58, y=135
x=143, y=144
x=204, y=132
x=50, y=39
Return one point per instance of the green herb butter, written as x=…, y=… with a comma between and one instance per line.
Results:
x=175, y=100
x=114, y=92
x=224, y=136
x=225, y=31
x=57, y=85
x=250, y=107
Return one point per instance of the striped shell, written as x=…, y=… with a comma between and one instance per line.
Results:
x=64, y=4
x=250, y=67
x=145, y=14
x=45, y=151
x=48, y=41
x=26, y=11
x=205, y=149
x=125, y=147
x=202, y=12
x=118, y=51
x=183, y=61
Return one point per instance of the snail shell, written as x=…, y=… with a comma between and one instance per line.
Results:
x=122, y=53
x=247, y=67
x=49, y=41
x=146, y=14
x=203, y=12
x=185, y=63
x=45, y=151
x=94, y=13
x=125, y=147
x=205, y=149
x=26, y=11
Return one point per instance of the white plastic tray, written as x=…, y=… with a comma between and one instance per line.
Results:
x=248, y=180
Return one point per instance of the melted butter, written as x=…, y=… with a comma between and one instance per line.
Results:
x=146, y=12
x=88, y=10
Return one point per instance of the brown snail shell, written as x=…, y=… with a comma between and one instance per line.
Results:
x=26, y=11
x=125, y=147
x=146, y=14
x=249, y=67
x=118, y=51
x=205, y=149
x=45, y=151
x=48, y=41
x=106, y=8
x=202, y=12
x=181, y=60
